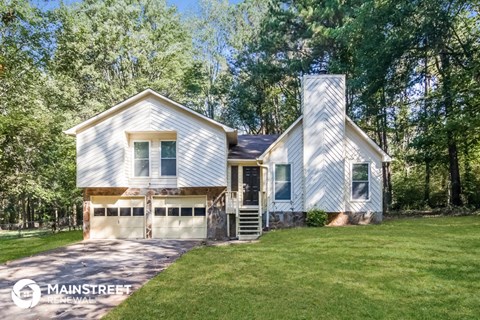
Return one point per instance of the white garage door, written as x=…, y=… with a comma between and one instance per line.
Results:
x=117, y=217
x=180, y=217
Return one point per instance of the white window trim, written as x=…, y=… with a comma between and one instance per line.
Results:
x=149, y=159
x=160, y=158
x=274, y=180
x=351, y=182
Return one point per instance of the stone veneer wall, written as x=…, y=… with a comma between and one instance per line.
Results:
x=352, y=218
x=289, y=219
x=216, y=217
x=286, y=219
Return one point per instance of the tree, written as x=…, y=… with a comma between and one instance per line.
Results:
x=107, y=51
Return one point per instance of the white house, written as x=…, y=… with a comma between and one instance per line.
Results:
x=152, y=168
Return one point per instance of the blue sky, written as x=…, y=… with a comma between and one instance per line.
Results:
x=183, y=6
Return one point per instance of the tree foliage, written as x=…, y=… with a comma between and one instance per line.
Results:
x=413, y=73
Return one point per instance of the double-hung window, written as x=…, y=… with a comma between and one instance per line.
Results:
x=360, y=181
x=141, y=158
x=283, y=182
x=168, y=158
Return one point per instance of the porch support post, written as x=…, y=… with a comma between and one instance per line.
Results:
x=86, y=215
x=148, y=213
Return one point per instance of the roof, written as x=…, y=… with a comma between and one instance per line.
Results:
x=385, y=156
x=130, y=102
x=251, y=146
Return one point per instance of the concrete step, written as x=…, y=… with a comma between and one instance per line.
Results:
x=248, y=237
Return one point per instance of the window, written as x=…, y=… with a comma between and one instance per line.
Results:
x=283, y=182
x=141, y=158
x=125, y=212
x=118, y=211
x=160, y=212
x=200, y=212
x=137, y=212
x=174, y=212
x=168, y=158
x=360, y=181
x=112, y=212
x=186, y=212
x=98, y=212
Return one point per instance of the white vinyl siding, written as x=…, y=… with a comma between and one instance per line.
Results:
x=357, y=150
x=104, y=155
x=288, y=150
x=324, y=138
x=283, y=182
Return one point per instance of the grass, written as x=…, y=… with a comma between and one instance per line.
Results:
x=12, y=247
x=425, y=268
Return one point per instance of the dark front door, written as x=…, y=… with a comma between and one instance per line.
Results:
x=251, y=185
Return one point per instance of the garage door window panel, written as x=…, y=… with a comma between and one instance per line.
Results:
x=112, y=212
x=160, y=212
x=173, y=212
x=187, y=212
x=99, y=212
x=125, y=212
x=138, y=212
x=200, y=212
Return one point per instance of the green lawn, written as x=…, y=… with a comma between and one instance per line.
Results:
x=406, y=269
x=12, y=247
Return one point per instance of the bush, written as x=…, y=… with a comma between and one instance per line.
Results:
x=316, y=218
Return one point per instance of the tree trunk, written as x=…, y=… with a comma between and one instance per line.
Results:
x=55, y=229
x=74, y=215
x=24, y=213
x=427, y=159
x=386, y=173
x=428, y=171
x=456, y=189
x=468, y=183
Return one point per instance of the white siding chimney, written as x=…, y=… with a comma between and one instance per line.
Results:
x=323, y=104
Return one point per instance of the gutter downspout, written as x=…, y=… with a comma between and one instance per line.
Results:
x=267, y=217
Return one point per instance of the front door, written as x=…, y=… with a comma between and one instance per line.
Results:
x=251, y=185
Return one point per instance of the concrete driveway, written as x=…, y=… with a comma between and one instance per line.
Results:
x=110, y=269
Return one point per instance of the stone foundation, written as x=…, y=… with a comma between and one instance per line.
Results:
x=216, y=217
x=353, y=218
x=286, y=219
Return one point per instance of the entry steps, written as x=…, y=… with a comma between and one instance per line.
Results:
x=249, y=224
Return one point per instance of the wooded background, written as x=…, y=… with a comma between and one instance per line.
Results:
x=413, y=82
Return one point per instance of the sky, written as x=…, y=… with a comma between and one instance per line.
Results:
x=183, y=6
x=186, y=6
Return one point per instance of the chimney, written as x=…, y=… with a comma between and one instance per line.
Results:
x=323, y=106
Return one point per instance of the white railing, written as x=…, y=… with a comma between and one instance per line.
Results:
x=231, y=202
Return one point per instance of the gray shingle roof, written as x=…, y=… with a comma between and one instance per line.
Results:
x=251, y=146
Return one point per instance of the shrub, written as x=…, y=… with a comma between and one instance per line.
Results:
x=316, y=218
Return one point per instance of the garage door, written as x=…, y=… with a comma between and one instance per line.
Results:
x=179, y=217
x=117, y=217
